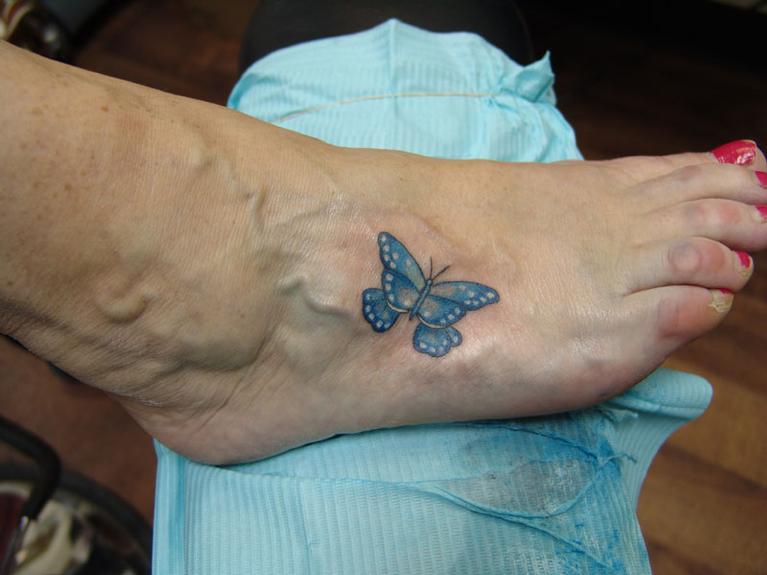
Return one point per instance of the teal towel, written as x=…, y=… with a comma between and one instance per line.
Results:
x=549, y=495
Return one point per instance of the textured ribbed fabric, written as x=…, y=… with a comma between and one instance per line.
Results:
x=400, y=87
x=549, y=495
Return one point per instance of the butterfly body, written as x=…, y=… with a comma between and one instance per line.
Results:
x=421, y=298
x=436, y=305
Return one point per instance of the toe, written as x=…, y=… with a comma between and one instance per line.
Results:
x=674, y=315
x=738, y=225
x=741, y=153
x=683, y=313
x=691, y=261
x=703, y=181
x=638, y=169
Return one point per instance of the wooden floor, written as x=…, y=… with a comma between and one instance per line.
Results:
x=704, y=505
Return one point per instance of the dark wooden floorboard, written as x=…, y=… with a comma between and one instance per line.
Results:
x=704, y=505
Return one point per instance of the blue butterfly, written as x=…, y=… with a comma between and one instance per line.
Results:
x=407, y=291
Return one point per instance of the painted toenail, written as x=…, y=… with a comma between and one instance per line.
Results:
x=740, y=152
x=762, y=177
x=721, y=300
x=745, y=262
x=762, y=212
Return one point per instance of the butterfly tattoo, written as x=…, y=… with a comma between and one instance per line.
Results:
x=405, y=290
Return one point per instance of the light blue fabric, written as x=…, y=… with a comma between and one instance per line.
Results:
x=400, y=87
x=550, y=495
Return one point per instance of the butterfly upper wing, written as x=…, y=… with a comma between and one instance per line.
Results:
x=399, y=291
x=377, y=313
x=468, y=295
x=396, y=258
x=435, y=342
x=448, y=302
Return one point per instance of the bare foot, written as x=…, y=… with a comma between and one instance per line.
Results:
x=599, y=271
x=226, y=312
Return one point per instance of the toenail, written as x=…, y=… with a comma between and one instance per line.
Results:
x=762, y=177
x=745, y=261
x=762, y=212
x=740, y=152
x=721, y=300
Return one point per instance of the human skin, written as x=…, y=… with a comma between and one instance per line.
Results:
x=206, y=269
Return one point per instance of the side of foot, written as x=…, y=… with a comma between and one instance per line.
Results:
x=602, y=270
x=231, y=323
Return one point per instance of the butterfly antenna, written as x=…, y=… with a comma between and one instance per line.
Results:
x=431, y=267
x=440, y=272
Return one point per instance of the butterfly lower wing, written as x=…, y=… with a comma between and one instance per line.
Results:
x=399, y=292
x=469, y=295
x=439, y=312
x=396, y=258
x=435, y=342
x=377, y=313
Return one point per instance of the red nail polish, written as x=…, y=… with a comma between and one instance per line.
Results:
x=740, y=152
x=762, y=177
x=745, y=259
x=763, y=212
x=725, y=290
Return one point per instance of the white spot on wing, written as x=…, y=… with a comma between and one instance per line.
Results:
x=427, y=314
x=395, y=255
x=386, y=247
x=379, y=324
x=387, y=287
x=389, y=277
x=393, y=265
x=367, y=308
x=450, y=316
x=422, y=345
x=371, y=317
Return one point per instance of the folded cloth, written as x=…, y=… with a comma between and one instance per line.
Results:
x=548, y=495
x=400, y=87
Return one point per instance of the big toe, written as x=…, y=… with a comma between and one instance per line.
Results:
x=638, y=169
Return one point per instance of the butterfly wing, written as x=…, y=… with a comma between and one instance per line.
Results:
x=399, y=291
x=396, y=259
x=469, y=295
x=436, y=311
x=377, y=313
x=435, y=342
